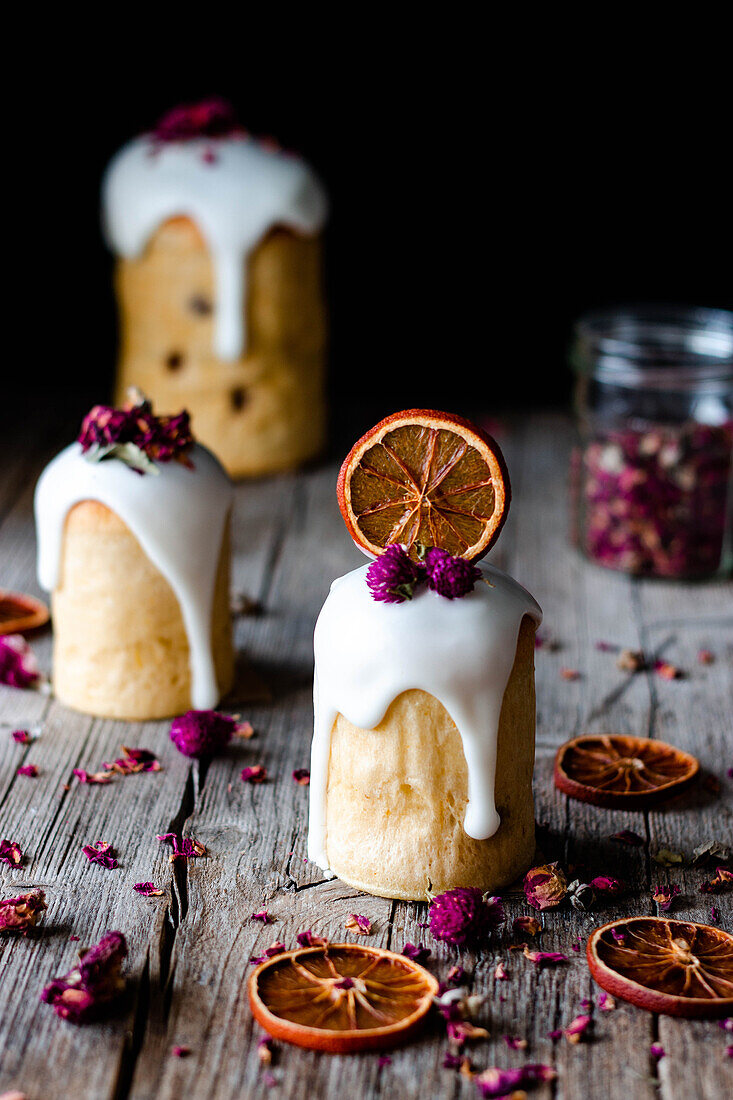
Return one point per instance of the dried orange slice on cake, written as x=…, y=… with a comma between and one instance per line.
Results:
x=670, y=966
x=617, y=771
x=341, y=997
x=20, y=613
x=425, y=477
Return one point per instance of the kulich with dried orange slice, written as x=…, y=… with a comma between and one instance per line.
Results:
x=424, y=686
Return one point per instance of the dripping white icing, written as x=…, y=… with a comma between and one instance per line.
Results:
x=234, y=189
x=177, y=517
x=461, y=651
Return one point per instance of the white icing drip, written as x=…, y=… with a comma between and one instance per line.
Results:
x=461, y=651
x=177, y=517
x=235, y=196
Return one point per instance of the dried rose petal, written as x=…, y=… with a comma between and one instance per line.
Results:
x=209, y=118
x=183, y=847
x=254, y=774
x=302, y=776
x=515, y=1043
x=133, y=761
x=665, y=894
x=180, y=1052
x=18, y=665
x=570, y=673
x=360, y=926
x=10, y=853
x=308, y=939
x=494, y=1082
x=417, y=953
x=544, y=958
x=575, y=1030
x=23, y=737
x=626, y=836
x=21, y=913
x=148, y=889
x=705, y=657
x=263, y=916
x=276, y=948
x=92, y=984
x=545, y=886
x=606, y=1002
x=202, y=732
x=264, y=1050
x=28, y=769
x=463, y=1031
x=465, y=915
x=720, y=881
x=656, y=1050
x=500, y=973
x=383, y=1060
x=92, y=777
x=631, y=660
x=135, y=435
x=527, y=926
x=100, y=853
x=714, y=914
x=667, y=671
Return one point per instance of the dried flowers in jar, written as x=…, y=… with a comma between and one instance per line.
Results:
x=653, y=475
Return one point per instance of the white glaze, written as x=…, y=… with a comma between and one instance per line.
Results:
x=460, y=651
x=233, y=188
x=177, y=517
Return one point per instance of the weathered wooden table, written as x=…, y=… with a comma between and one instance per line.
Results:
x=190, y=949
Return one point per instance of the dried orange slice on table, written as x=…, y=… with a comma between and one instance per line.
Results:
x=664, y=965
x=341, y=997
x=616, y=771
x=20, y=613
x=425, y=477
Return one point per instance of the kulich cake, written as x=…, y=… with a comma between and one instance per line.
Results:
x=133, y=543
x=424, y=728
x=219, y=285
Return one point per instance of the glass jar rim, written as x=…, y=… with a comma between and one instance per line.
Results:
x=655, y=346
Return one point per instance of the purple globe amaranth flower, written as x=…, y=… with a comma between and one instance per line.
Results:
x=450, y=576
x=464, y=915
x=202, y=732
x=393, y=577
x=212, y=117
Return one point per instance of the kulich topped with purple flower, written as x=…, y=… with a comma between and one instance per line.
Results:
x=213, y=117
x=135, y=435
x=394, y=576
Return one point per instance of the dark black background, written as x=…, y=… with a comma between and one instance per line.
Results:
x=484, y=193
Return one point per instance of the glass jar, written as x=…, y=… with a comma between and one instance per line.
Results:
x=652, y=477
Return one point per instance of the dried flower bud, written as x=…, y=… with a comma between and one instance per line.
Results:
x=393, y=577
x=545, y=886
x=465, y=915
x=21, y=913
x=450, y=576
x=18, y=664
x=92, y=984
x=202, y=732
x=302, y=777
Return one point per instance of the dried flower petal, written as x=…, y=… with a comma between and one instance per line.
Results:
x=605, y=885
x=10, y=853
x=570, y=673
x=665, y=858
x=465, y=915
x=705, y=657
x=631, y=660
x=500, y=973
x=665, y=894
x=28, y=769
x=23, y=737
x=21, y=913
x=515, y=1043
x=545, y=886
x=360, y=926
x=133, y=761
x=527, y=926
x=302, y=776
x=255, y=773
x=264, y=1050
x=450, y=576
x=606, y=1003
x=213, y=117
x=383, y=1060
x=463, y=1031
x=275, y=948
x=148, y=889
x=656, y=1050
x=263, y=916
x=180, y=1051
x=495, y=1082
x=417, y=953
x=100, y=853
x=308, y=939
x=575, y=1030
x=544, y=958
x=712, y=852
x=667, y=671
x=714, y=914
x=393, y=576
x=92, y=984
x=202, y=732
x=183, y=847
x=18, y=664
x=721, y=880
x=92, y=777
x=626, y=836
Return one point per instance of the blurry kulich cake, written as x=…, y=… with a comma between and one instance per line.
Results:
x=423, y=746
x=219, y=285
x=133, y=542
